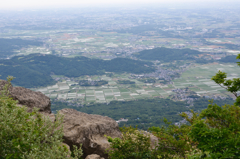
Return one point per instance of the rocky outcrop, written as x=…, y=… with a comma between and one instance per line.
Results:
x=88, y=130
x=94, y=156
x=79, y=128
x=29, y=98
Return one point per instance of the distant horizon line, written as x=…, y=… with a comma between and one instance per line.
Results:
x=170, y=5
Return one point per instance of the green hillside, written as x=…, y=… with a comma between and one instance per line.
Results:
x=143, y=112
x=229, y=59
x=7, y=46
x=167, y=54
x=35, y=70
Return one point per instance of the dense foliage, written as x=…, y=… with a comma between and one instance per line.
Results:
x=35, y=70
x=230, y=59
x=167, y=54
x=173, y=142
x=144, y=113
x=92, y=83
x=126, y=82
x=134, y=144
x=7, y=46
x=217, y=131
x=148, y=80
x=29, y=135
x=212, y=133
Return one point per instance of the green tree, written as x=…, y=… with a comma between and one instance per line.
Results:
x=174, y=141
x=134, y=144
x=29, y=135
x=213, y=133
x=217, y=129
x=231, y=85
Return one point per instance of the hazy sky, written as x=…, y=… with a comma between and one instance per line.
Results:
x=23, y=4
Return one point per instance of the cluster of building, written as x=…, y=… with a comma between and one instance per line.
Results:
x=166, y=75
x=184, y=94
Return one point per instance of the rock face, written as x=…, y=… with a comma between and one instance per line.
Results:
x=29, y=98
x=88, y=130
x=94, y=156
x=79, y=128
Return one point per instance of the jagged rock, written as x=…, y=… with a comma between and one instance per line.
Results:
x=29, y=98
x=94, y=156
x=88, y=130
x=79, y=128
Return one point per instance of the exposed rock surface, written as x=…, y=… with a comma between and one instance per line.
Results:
x=29, y=98
x=79, y=128
x=88, y=130
x=94, y=156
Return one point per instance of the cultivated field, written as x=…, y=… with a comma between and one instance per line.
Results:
x=197, y=79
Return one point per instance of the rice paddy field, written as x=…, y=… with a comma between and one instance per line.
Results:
x=197, y=78
x=68, y=90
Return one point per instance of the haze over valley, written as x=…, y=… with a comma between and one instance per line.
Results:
x=101, y=59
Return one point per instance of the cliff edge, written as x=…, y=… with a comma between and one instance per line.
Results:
x=79, y=128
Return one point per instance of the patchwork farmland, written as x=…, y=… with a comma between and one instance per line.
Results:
x=197, y=79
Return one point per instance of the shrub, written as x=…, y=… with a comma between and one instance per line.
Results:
x=29, y=135
x=134, y=144
x=173, y=140
x=217, y=131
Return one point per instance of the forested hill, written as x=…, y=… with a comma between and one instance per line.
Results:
x=167, y=54
x=144, y=112
x=229, y=59
x=7, y=46
x=34, y=70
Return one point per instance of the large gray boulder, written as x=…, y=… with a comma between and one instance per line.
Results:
x=88, y=130
x=79, y=128
x=29, y=98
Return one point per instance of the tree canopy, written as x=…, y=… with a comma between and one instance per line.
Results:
x=30, y=135
x=167, y=54
x=34, y=70
x=8, y=46
x=211, y=133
